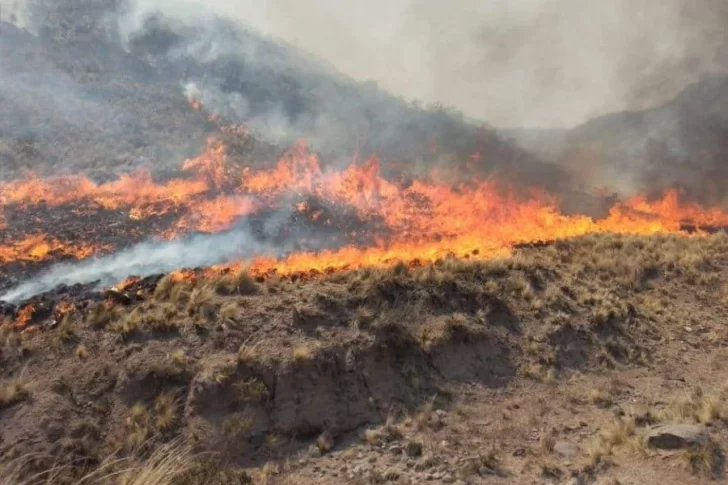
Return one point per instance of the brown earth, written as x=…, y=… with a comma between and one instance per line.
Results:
x=548, y=367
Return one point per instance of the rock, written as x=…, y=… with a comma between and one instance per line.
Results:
x=566, y=449
x=447, y=478
x=395, y=450
x=414, y=449
x=675, y=436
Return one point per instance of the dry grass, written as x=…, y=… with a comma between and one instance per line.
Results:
x=13, y=392
x=100, y=315
x=618, y=432
x=138, y=423
x=696, y=407
x=165, y=409
x=704, y=460
x=302, y=353
x=165, y=465
x=81, y=352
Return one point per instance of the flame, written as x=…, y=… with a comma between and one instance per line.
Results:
x=62, y=309
x=127, y=283
x=25, y=315
x=39, y=247
x=429, y=219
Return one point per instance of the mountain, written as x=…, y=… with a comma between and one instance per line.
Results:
x=95, y=92
x=681, y=144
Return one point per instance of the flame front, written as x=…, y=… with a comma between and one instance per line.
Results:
x=423, y=221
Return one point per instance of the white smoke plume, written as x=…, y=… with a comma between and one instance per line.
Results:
x=545, y=63
x=142, y=260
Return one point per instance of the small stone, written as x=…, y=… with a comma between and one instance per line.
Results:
x=675, y=436
x=688, y=329
x=447, y=478
x=520, y=452
x=414, y=449
x=566, y=450
x=395, y=450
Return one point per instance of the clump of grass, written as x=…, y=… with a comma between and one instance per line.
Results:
x=166, y=466
x=163, y=290
x=13, y=392
x=235, y=426
x=618, y=433
x=386, y=434
x=600, y=398
x=130, y=324
x=251, y=390
x=704, y=460
x=696, y=407
x=178, y=357
x=202, y=303
x=100, y=315
x=230, y=313
x=138, y=426
x=248, y=352
x=325, y=442
x=165, y=409
x=65, y=329
x=81, y=352
x=245, y=283
x=302, y=353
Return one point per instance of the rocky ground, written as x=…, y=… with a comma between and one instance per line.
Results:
x=595, y=360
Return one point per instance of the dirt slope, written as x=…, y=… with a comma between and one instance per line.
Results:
x=549, y=367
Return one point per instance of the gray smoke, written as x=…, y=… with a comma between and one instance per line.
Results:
x=146, y=259
x=526, y=63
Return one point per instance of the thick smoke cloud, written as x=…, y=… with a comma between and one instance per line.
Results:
x=527, y=63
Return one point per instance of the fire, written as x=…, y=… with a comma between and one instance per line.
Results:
x=39, y=247
x=424, y=221
x=25, y=315
x=62, y=309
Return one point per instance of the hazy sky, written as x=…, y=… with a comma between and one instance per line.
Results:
x=509, y=62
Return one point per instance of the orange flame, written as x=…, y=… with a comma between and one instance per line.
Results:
x=39, y=247
x=25, y=315
x=425, y=221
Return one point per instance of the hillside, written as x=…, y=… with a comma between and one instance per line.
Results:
x=86, y=94
x=554, y=365
x=680, y=144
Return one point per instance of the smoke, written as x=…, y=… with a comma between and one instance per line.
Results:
x=546, y=63
x=149, y=258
